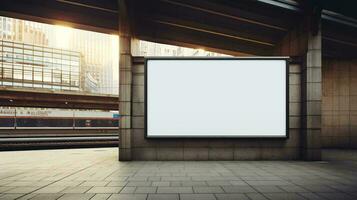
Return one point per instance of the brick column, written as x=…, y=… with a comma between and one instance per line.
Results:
x=125, y=82
x=311, y=92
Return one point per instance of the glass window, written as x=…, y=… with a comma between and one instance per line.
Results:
x=28, y=84
x=55, y=55
x=18, y=74
x=47, y=77
x=66, y=62
x=65, y=79
x=37, y=75
x=18, y=45
x=74, y=63
x=38, y=53
x=7, y=83
x=37, y=48
x=17, y=50
x=58, y=51
x=17, y=66
x=7, y=73
x=28, y=52
x=37, y=85
x=28, y=67
x=8, y=49
x=49, y=60
x=47, y=86
x=56, y=77
x=26, y=46
x=65, y=57
x=17, y=84
x=38, y=58
x=47, y=54
x=65, y=67
x=28, y=75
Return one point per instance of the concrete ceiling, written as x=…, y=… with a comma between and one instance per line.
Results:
x=235, y=27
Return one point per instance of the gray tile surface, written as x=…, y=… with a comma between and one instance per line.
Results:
x=97, y=175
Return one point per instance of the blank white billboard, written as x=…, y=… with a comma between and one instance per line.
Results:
x=188, y=97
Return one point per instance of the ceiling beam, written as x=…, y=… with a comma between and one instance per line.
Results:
x=203, y=8
x=63, y=13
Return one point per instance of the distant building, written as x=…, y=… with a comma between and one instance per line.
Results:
x=34, y=66
x=99, y=56
x=155, y=49
x=18, y=30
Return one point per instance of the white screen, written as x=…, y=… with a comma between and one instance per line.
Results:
x=216, y=98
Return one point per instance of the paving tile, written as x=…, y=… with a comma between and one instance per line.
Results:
x=47, y=196
x=117, y=183
x=154, y=178
x=27, y=196
x=100, y=189
x=269, y=183
x=319, y=188
x=78, y=189
x=94, y=183
x=22, y=190
x=69, y=171
x=100, y=197
x=67, y=183
x=193, y=183
x=6, y=188
x=310, y=196
x=173, y=190
x=283, y=196
x=293, y=188
x=51, y=189
x=256, y=196
x=175, y=178
x=220, y=183
x=197, y=197
x=128, y=197
x=238, y=189
x=339, y=195
x=238, y=183
x=231, y=197
x=10, y=196
x=207, y=189
x=175, y=183
x=163, y=197
x=145, y=190
x=76, y=197
x=160, y=183
x=128, y=190
x=139, y=183
x=267, y=189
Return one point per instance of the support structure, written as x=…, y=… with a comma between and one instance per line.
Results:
x=304, y=41
x=125, y=83
x=311, y=89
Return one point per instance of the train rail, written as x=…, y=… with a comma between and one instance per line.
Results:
x=56, y=142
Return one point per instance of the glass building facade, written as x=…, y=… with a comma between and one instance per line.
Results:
x=26, y=65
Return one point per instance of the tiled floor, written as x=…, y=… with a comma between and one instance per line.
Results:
x=96, y=174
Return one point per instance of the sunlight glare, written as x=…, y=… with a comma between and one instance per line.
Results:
x=63, y=36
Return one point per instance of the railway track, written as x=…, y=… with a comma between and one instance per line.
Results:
x=55, y=142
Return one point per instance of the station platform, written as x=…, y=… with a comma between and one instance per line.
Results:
x=97, y=174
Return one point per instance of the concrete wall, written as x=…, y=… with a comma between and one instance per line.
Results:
x=213, y=149
x=339, y=103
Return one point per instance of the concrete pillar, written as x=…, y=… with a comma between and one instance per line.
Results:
x=312, y=90
x=304, y=41
x=125, y=82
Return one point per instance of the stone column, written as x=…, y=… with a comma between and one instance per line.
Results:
x=311, y=90
x=125, y=82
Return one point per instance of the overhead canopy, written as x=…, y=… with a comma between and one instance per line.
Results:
x=234, y=27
